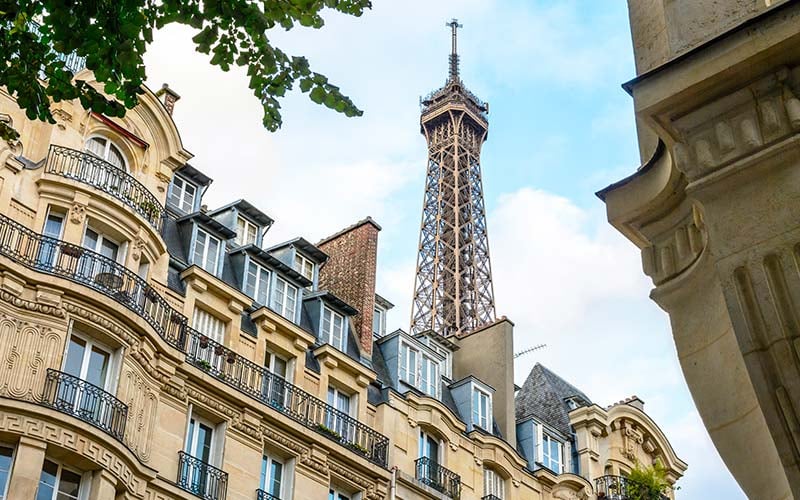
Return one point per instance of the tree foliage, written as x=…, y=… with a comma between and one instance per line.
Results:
x=113, y=35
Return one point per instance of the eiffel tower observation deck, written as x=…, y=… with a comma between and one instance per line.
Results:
x=453, y=291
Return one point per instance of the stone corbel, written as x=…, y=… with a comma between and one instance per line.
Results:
x=77, y=213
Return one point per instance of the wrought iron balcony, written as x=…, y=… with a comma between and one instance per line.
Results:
x=622, y=488
x=263, y=495
x=72, y=61
x=261, y=384
x=491, y=497
x=95, y=271
x=437, y=477
x=73, y=396
x=92, y=171
x=200, y=478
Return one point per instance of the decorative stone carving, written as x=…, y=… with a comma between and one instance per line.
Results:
x=77, y=213
x=138, y=246
x=142, y=401
x=563, y=493
x=26, y=351
x=15, y=301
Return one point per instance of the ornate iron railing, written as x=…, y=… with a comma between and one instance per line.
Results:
x=621, y=488
x=75, y=263
x=437, y=477
x=73, y=396
x=200, y=478
x=259, y=383
x=91, y=170
x=491, y=497
x=263, y=495
x=72, y=61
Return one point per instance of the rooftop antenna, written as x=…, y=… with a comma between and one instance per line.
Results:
x=454, y=52
x=529, y=350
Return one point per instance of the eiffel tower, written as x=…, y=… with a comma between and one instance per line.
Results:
x=453, y=291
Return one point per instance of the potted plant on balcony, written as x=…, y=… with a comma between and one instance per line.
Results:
x=357, y=447
x=203, y=365
x=231, y=359
x=151, y=293
x=219, y=350
x=203, y=342
x=329, y=432
x=72, y=251
x=647, y=483
x=148, y=209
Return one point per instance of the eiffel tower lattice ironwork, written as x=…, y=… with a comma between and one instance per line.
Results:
x=453, y=291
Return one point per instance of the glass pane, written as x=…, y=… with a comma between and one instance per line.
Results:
x=279, y=367
x=276, y=475
x=98, y=365
x=199, y=248
x=96, y=146
x=90, y=239
x=187, y=204
x=264, y=463
x=204, y=434
x=211, y=256
x=109, y=249
x=52, y=226
x=47, y=481
x=75, y=352
x=69, y=485
x=5, y=459
x=176, y=192
x=115, y=157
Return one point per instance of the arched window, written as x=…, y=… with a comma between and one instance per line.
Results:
x=492, y=485
x=106, y=150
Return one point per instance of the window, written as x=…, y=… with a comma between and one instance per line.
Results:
x=58, y=483
x=246, y=232
x=446, y=365
x=284, y=299
x=97, y=242
x=481, y=409
x=551, y=453
x=378, y=322
x=274, y=387
x=53, y=228
x=337, y=420
x=333, y=331
x=208, y=325
x=106, y=150
x=256, y=283
x=304, y=266
x=272, y=476
x=429, y=447
x=206, y=251
x=492, y=484
x=6, y=459
x=182, y=194
x=87, y=360
x=408, y=364
x=335, y=494
x=429, y=376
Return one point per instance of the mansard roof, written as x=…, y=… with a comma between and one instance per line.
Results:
x=248, y=209
x=543, y=397
x=304, y=246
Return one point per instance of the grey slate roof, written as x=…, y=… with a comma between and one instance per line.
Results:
x=542, y=396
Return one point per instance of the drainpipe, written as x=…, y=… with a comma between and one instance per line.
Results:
x=393, y=486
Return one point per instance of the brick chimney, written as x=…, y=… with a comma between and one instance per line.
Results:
x=350, y=272
x=168, y=97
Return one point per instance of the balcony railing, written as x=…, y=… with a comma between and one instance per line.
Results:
x=73, y=396
x=75, y=263
x=622, y=488
x=92, y=171
x=263, y=495
x=437, y=477
x=200, y=478
x=95, y=271
x=259, y=383
x=491, y=497
x=72, y=61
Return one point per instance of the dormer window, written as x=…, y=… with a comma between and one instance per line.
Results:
x=552, y=454
x=256, y=283
x=419, y=370
x=378, y=322
x=182, y=194
x=246, y=232
x=481, y=409
x=284, y=299
x=104, y=149
x=333, y=331
x=206, y=251
x=304, y=266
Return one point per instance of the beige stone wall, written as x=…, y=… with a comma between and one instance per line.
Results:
x=715, y=212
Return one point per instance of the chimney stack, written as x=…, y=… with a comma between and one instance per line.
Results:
x=168, y=97
x=350, y=272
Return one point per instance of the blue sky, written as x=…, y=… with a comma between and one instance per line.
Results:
x=560, y=129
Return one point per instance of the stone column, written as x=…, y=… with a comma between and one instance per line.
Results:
x=27, y=469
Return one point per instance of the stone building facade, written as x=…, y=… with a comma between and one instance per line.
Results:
x=715, y=210
x=152, y=348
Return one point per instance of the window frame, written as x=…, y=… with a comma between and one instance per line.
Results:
x=247, y=223
x=380, y=313
x=303, y=262
x=13, y=448
x=89, y=343
x=329, y=336
x=266, y=282
x=204, y=257
x=493, y=483
x=282, y=289
x=109, y=144
x=268, y=459
x=198, y=312
x=547, y=460
x=476, y=408
x=83, y=482
x=122, y=246
x=181, y=195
